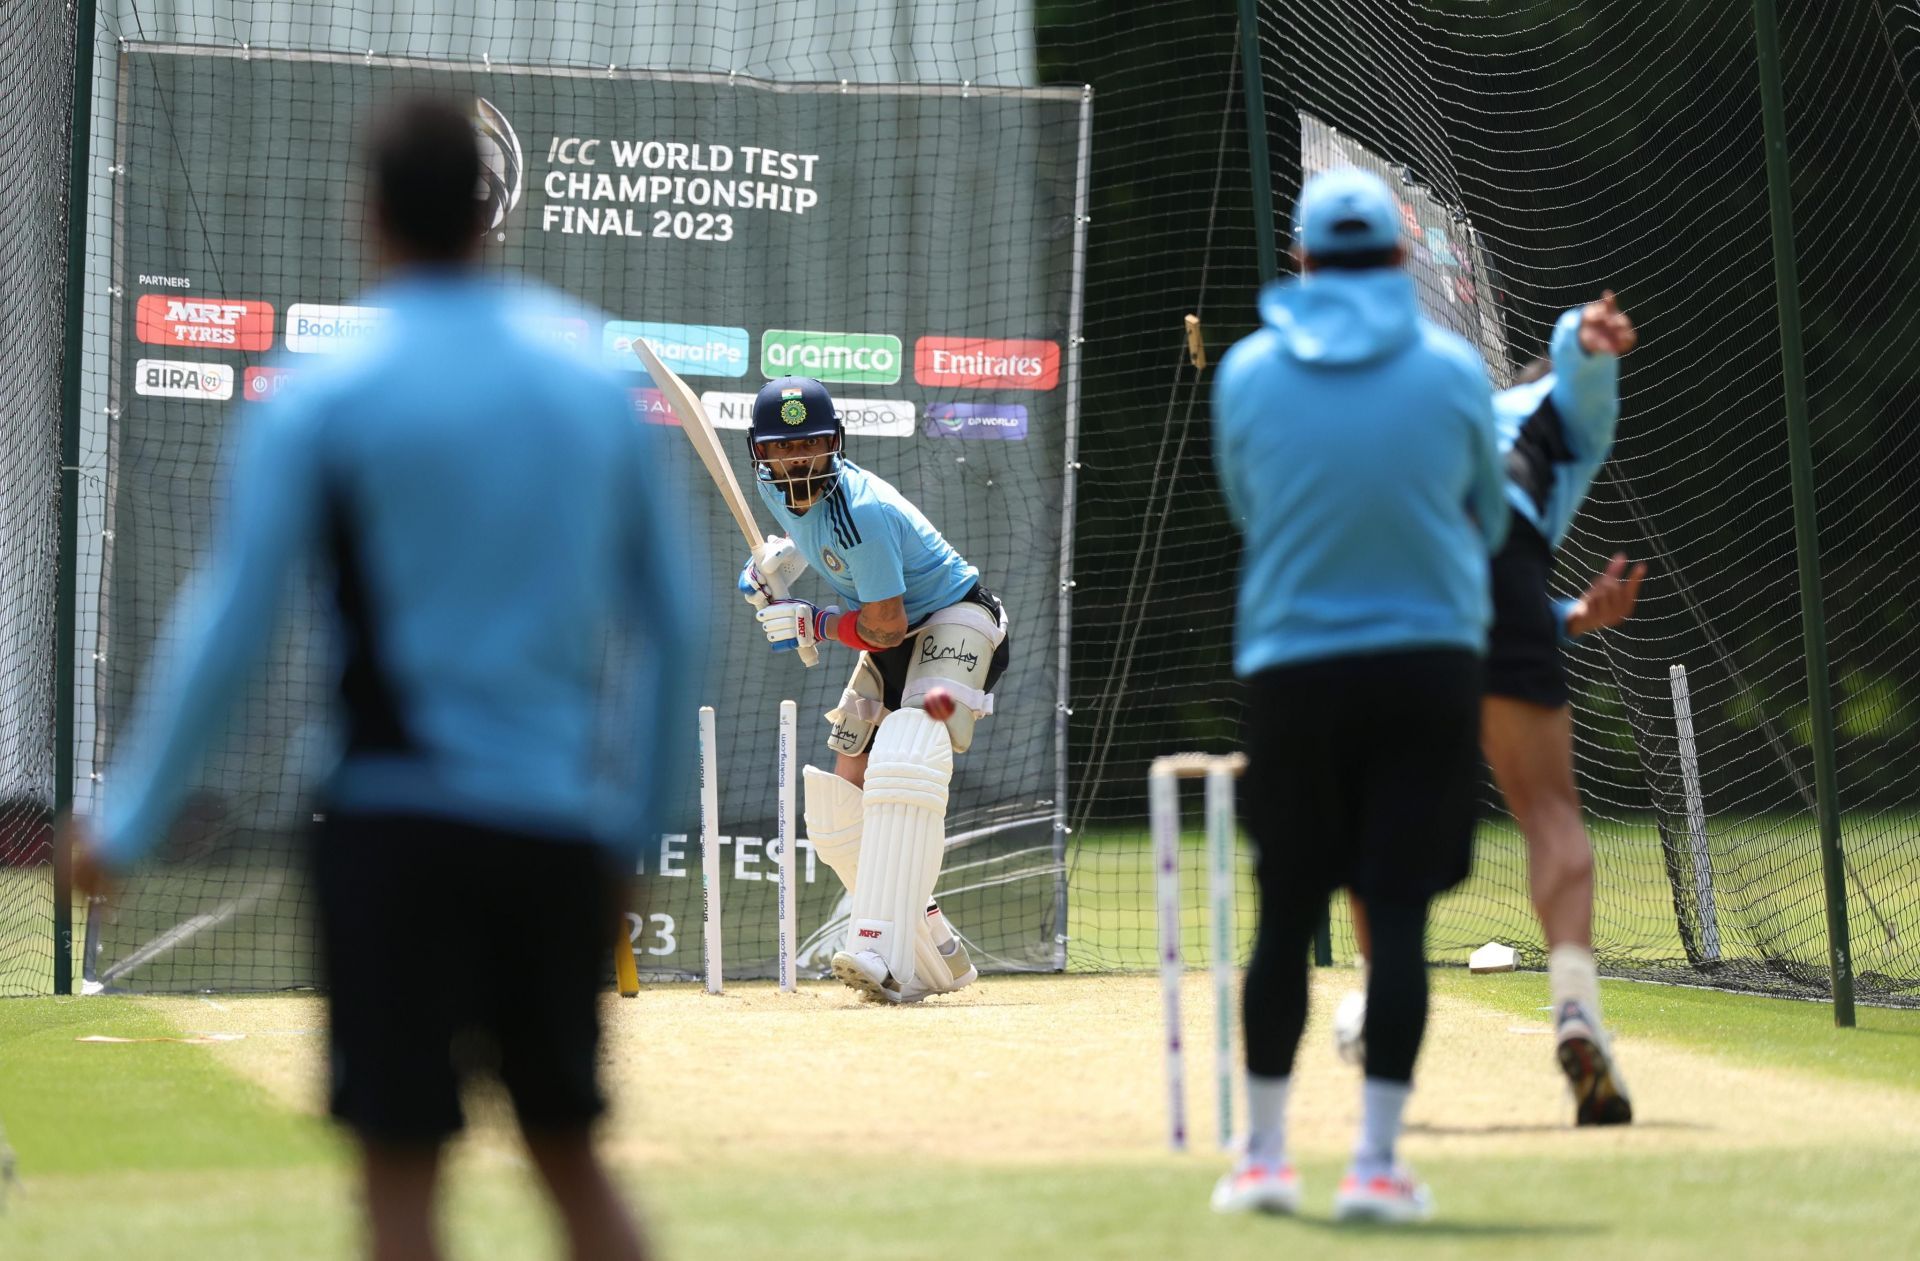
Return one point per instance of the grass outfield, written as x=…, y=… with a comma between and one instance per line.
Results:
x=1766, y=870
x=1765, y=1132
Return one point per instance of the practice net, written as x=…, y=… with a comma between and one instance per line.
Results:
x=1572, y=148
x=970, y=187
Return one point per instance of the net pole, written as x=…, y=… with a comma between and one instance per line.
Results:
x=66, y=627
x=1766, y=26
x=1258, y=165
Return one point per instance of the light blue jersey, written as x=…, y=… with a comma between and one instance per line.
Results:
x=1556, y=432
x=870, y=544
x=1355, y=443
x=489, y=511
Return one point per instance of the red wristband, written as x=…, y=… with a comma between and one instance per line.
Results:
x=847, y=631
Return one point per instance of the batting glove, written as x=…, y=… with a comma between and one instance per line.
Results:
x=794, y=624
x=770, y=571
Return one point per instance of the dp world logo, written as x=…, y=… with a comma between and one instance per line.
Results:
x=502, y=167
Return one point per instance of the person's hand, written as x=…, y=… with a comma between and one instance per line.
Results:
x=794, y=624
x=771, y=570
x=1609, y=598
x=1605, y=328
x=91, y=876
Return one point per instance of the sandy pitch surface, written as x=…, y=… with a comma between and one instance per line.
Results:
x=1061, y=1069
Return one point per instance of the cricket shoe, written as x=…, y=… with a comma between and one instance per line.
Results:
x=1599, y=1094
x=1254, y=1187
x=867, y=973
x=1391, y=1199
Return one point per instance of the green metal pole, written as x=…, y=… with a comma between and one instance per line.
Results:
x=1259, y=166
x=64, y=637
x=1260, y=171
x=1766, y=27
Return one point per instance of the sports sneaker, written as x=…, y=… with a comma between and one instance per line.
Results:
x=1252, y=1187
x=866, y=972
x=1599, y=1094
x=1389, y=1198
x=1350, y=1028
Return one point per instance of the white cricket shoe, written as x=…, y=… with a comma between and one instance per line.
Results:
x=1350, y=1028
x=1391, y=1199
x=1253, y=1187
x=1599, y=1092
x=866, y=972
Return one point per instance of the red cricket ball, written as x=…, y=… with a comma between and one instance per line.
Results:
x=938, y=703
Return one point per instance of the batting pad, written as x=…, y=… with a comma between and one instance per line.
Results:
x=835, y=817
x=908, y=771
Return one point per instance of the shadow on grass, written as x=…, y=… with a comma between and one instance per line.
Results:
x=1447, y=1228
x=1544, y=1127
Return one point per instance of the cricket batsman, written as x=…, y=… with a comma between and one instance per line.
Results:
x=915, y=611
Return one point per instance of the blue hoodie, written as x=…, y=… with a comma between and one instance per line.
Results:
x=1556, y=432
x=1356, y=445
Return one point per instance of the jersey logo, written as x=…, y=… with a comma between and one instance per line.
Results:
x=831, y=559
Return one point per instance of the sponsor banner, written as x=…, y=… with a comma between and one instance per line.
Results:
x=863, y=417
x=177, y=378
x=557, y=331
x=982, y=363
x=203, y=323
x=317, y=329
x=692, y=350
x=263, y=384
x=859, y=358
x=1006, y=421
x=650, y=406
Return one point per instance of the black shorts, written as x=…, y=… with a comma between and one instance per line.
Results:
x=449, y=949
x=893, y=662
x=1523, y=649
x=1362, y=773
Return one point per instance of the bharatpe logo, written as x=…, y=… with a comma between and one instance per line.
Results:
x=502, y=166
x=699, y=350
x=314, y=329
x=1007, y=421
x=173, y=378
x=859, y=358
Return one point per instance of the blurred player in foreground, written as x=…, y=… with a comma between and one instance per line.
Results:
x=489, y=512
x=1356, y=445
x=921, y=622
x=1556, y=429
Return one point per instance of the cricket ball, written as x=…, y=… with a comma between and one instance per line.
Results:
x=938, y=703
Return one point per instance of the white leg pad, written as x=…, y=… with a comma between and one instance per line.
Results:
x=908, y=770
x=835, y=819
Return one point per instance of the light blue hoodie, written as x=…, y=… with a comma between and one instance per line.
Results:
x=1356, y=445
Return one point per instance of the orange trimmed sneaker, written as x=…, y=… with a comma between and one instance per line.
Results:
x=1252, y=1187
x=1387, y=1198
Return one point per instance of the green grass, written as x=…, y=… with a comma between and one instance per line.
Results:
x=1768, y=888
x=1883, y=1048
x=73, y=1107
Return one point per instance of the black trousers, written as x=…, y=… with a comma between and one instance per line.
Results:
x=1361, y=774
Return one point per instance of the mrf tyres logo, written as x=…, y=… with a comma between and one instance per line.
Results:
x=204, y=323
x=502, y=165
x=859, y=358
x=176, y=378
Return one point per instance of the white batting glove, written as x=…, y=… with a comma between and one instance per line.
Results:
x=770, y=572
x=793, y=624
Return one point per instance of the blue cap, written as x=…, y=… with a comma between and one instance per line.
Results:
x=1347, y=211
x=794, y=407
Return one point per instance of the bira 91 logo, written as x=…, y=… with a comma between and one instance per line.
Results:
x=203, y=323
x=980, y=363
x=175, y=378
x=1006, y=421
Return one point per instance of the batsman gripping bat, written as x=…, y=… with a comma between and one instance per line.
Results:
x=699, y=429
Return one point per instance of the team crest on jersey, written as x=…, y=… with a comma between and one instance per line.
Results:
x=832, y=561
x=793, y=411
